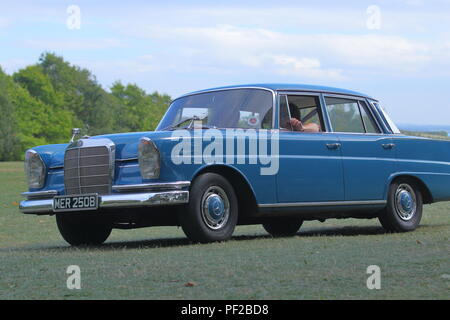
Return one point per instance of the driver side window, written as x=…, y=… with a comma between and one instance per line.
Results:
x=300, y=113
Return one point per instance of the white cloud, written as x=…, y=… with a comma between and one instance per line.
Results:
x=377, y=51
x=293, y=66
x=312, y=55
x=228, y=47
x=296, y=64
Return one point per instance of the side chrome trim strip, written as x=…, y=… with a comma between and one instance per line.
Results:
x=127, y=159
x=322, y=204
x=56, y=168
x=152, y=186
x=144, y=199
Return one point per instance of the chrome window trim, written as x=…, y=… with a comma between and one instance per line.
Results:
x=221, y=89
x=300, y=93
x=274, y=99
x=287, y=91
x=323, y=204
x=344, y=96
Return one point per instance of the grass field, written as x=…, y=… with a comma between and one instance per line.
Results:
x=324, y=261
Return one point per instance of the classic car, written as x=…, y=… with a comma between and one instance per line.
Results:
x=271, y=154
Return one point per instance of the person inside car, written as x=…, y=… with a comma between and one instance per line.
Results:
x=297, y=125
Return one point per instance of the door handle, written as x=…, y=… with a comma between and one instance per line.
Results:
x=388, y=146
x=333, y=146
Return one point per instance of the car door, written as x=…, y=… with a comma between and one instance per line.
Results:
x=368, y=154
x=310, y=162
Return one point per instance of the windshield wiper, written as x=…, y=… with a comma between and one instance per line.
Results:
x=176, y=125
x=190, y=125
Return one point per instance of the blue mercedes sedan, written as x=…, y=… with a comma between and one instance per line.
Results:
x=270, y=154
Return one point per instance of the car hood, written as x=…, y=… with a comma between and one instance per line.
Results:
x=127, y=143
x=126, y=146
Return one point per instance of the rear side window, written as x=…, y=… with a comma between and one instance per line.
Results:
x=369, y=123
x=386, y=117
x=347, y=115
x=344, y=115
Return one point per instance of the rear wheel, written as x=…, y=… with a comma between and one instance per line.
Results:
x=79, y=229
x=212, y=211
x=404, y=209
x=283, y=227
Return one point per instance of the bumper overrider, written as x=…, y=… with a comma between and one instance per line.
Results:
x=125, y=196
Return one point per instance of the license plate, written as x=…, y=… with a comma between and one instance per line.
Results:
x=75, y=203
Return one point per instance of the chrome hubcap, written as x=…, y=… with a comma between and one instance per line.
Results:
x=405, y=202
x=215, y=207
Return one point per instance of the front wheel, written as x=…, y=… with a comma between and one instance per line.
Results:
x=404, y=209
x=80, y=229
x=212, y=211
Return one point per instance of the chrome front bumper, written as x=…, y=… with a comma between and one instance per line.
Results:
x=115, y=201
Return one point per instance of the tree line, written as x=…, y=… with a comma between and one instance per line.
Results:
x=41, y=103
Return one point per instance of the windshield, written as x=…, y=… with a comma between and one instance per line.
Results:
x=237, y=108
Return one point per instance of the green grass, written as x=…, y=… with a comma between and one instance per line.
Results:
x=324, y=261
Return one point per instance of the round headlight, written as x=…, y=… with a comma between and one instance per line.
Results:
x=149, y=159
x=34, y=169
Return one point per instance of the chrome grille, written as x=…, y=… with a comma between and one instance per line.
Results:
x=88, y=169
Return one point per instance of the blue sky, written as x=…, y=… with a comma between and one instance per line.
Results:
x=181, y=46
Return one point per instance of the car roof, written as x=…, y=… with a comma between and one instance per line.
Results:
x=286, y=87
